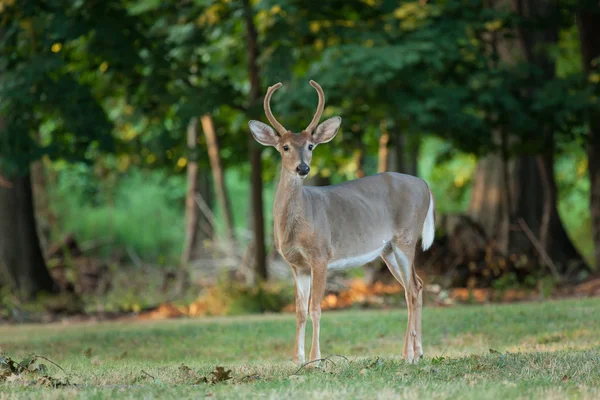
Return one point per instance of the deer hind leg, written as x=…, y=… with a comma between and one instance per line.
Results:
x=399, y=259
x=418, y=315
x=302, y=280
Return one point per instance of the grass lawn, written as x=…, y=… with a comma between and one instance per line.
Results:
x=541, y=350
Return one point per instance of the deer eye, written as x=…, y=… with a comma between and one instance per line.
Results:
x=310, y=146
x=286, y=147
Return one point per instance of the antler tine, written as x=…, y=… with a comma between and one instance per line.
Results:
x=267, y=104
x=320, y=107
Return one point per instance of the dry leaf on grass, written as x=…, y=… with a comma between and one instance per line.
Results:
x=220, y=375
x=375, y=364
x=189, y=376
x=217, y=376
x=251, y=378
x=29, y=372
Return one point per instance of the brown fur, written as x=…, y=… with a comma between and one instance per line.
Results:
x=317, y=226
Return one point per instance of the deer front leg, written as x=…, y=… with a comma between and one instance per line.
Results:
x=319, y=275
x=302, y=281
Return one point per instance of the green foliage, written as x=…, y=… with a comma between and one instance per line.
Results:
x=238, y=185
x=97, y=210
x=153, y=65
x=573, y=203
x=142, y=212
x=507, y=281
x=260, y=298
x=115, y=83
x=434, y=67
x=146, y=67
x=449, y=173
x=59, y=59
x=139, y=210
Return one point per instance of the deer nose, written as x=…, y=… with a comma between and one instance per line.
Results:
x=303, y=169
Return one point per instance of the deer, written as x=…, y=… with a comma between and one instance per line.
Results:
x=347, y=225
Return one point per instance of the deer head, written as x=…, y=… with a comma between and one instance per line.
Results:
x=295, y=148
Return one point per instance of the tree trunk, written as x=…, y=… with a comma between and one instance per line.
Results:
x=317, y=180
x=404, y=158
x=397, y=157
x=383, y=152
x=588, y=21
x=198, y=225
x=22, y=266
x=4, y=183
x=45, y=218
x=534, y=195
x=411, y=154
x=191, y=209
x=218, y=176
x=487, y=207
x=256, y=184
x=359, y=161
x=532, y=190
x=206, y=228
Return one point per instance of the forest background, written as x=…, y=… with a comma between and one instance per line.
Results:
x=129, y=179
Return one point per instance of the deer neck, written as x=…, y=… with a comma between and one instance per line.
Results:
x=288, y=208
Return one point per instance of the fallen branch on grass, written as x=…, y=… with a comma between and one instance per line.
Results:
x=145, y=373
x=52, y=362
x=326, y=359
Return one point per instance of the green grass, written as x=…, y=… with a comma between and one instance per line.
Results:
x=553, y=352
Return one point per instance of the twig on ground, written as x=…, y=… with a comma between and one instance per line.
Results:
x=255, y=376
x=326, y=359
x=144, y=372
x=52, y=362
x=443, y=352
x=339, y=355
x=310, y=362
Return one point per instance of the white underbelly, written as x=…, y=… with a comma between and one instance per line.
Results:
x=356, y=261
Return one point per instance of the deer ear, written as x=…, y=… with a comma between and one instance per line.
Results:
x=327, y=130
x=263, y=133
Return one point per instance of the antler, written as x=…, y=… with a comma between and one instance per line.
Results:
x=278, y=127
x=320, y=107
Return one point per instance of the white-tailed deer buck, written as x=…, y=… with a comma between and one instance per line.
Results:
x=345, y=225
